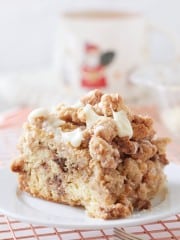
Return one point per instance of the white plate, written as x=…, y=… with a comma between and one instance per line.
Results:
x=23, y=207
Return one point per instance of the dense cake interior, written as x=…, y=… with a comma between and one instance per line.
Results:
x=95, y=153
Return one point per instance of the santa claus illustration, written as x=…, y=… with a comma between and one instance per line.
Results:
x=93, y=67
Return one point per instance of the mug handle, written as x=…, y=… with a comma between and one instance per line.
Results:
x=169, y=35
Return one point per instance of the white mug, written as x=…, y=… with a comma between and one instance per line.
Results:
x=100, y=49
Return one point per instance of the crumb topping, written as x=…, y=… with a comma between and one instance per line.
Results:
x=110, y=124
x=39, y=112
x=107, y=126
x=96, y=153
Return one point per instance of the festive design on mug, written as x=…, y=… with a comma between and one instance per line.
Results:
x=94, y=65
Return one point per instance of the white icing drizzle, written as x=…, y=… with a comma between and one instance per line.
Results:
x=57, y=135
x=39, y=112
x=78, y=104
x=51, y=124
x=74, y=137
x=100, y=105
x=123, y=124
x=54, y=121
x=91, y=116
x=97, y=129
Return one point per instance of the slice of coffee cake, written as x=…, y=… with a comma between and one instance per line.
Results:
x=96, y=154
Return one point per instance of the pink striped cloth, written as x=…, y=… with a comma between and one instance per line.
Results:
x=14, y=117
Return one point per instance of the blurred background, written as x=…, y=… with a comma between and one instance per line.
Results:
x=33, y=69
